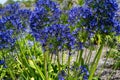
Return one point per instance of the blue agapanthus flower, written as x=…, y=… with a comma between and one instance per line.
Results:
x=15, y=11
x=6, y=39
x=45, y=13
x=24, y=13
x=10, y=9
x=96, y=16
x=85, y=72
x=24, y=16
x=10, y=28
x=79, y=14
x=104, y=14
x=56, y=37
x=11, y=22
x=82, y=19
x=61, y=75
x=2, y=62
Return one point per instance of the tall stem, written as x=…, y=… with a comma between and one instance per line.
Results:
x=77, y=56
x=45, y=66
x=69, y=62
x=89, y=56
x=95, y=63
x=80, y=56
x=58, y=60
x=108, y=54
x=62, y=59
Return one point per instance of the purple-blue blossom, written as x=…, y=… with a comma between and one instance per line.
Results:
x=10, y=9
x=96, y=16
x=45, y=13
x=56, y=37
x=79, y=14
x=10, y=28
x=6, y=39
x=84, y=70
x=104, y=12
x=61, y=75
x=2, y=62
x=6, y=34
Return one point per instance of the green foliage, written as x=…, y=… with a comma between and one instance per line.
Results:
x=9, y=2
x=115, y=54
x=80, y=2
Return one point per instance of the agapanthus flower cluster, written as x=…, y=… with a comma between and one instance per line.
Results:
x=9, y=9
x=84, y=72
x=45, y=13
x=56, y=37
x=13, y=14
x=105, y=12
x=14, y=9
x=61, y=75
x=2, y=62
x=24, y=13
x=96, y=16
x=6, y=39
x=79, y=15
x=24, y=16
x=6, y=33
x=82, y=19
x=12, y=24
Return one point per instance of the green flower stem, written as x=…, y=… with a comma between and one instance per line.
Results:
x=114, y=68
x=112, y=73
x=38, y=69
x=95, y=62
x=69, y=58
x=45, y=65
x=89, y=56
x=11, y=74
x=80, y=56
x=85, y=54
x=22, y=57
x=58, y=61
x=24, y=60
x=108, y=54
x=22, y=72
x=77, y=56
x=62, y=60
x=52, y=57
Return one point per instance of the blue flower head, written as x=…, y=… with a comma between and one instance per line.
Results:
x=24, y=13
x=104, y=14
x=57, y=37
x=2, y=62
x=18, y=16
x=85, y=72
x=10, y=28
x=61, y=75
x=9, y=9
x=78, y=14
x=6, y=38
x=96, y=16
x=45, y=13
